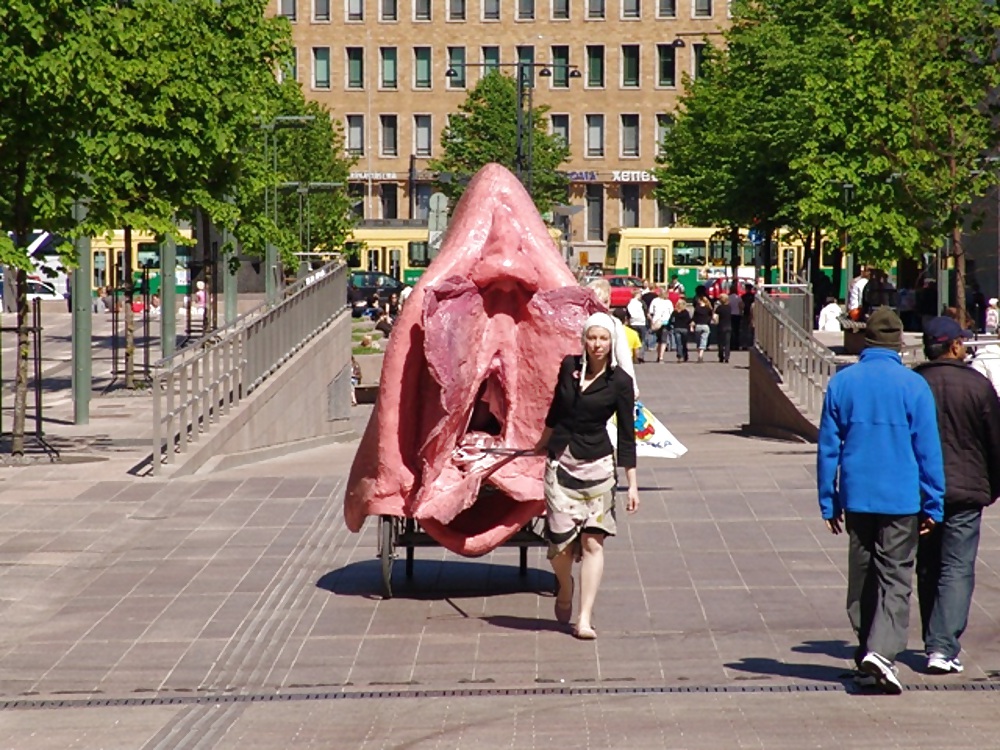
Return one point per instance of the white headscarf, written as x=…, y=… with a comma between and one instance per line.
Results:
x=605, y=321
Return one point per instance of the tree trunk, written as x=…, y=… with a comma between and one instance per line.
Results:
x=21, y=365
x=734, y=258
x=768, y=257
x=129, y=315
x=958, y=252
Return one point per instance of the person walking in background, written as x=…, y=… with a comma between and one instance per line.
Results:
x=879, y=472
x=681, y=325
x=986, y=361
x=992, y=320
x=854, y=292
x=637, y=320
x=702, y=319
x=746, y=330
x=660, y=310
x=580, y=471
x=723, y=326
x=736, y=313
x=969, y=422
x=829, y=316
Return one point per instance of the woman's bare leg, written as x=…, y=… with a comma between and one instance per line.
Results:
x=591, y=571
x=562, y=566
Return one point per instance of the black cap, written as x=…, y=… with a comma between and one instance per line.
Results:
x=884, y=328
x=942, y=329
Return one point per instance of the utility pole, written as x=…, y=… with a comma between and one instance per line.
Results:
x=83, y=322
x=168, y=296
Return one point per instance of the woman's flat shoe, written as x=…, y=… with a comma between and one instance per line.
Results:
x=585, y=634
x=564, y=612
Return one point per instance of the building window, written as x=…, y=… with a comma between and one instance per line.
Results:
x=422, y=135
x=389, y=199
x=699, y=59
x=595, y=9
x=631, y=9
x=355, y=10
x=595, y=212
x=421, y=10
x=321, y=10
x=456, y=10
x=663, y=125
x=630, y=135
x=664, y=215
x=356, y=192
x=421, y=67
x=560, y=67
x=422, y=201
x=389, y=138
x=630, y=204
x=456, y=65
x=287, y=9
x=491, y=59
x=356, y=134
x=290, y=70
x=702, y=8
x=355, y=67
x=560, y=10
x=595, y=135
x=595, y=66
x=526, y=57
x=666, y=9
x=666, y=65
x=491, y=10
x=560, y=127
x=321, y=67
x=630, y=66
x=389, y=10
x=525, y=10
x=388, y=77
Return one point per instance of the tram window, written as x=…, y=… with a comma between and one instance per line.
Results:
x=374, y=258
x=418, y=254
x=638, y=267
x=353, y=252
x=659, y=265
x=689, y=253
x=829, y=248
x=749, y=254
x=718, y=252
x=148, y=255
x=100, y=268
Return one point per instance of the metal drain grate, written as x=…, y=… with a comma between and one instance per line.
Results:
x=181, y=700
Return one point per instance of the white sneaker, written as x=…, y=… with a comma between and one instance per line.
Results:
x=938, y=663
x=883, y=671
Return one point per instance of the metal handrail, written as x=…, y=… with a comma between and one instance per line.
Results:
x=805, y=366
x=194, y=388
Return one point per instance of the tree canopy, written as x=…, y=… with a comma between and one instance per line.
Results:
x=485, y=130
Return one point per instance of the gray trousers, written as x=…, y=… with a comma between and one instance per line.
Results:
x=880, y=562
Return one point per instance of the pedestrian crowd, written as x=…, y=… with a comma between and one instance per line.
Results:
x=662, y=319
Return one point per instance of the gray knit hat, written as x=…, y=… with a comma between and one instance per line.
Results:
x=885, y=329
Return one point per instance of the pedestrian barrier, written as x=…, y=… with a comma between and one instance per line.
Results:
x=805, y=366
x=197, y=386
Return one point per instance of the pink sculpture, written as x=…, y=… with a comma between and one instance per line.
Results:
x=471, y=364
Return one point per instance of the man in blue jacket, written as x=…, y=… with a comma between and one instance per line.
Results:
x=879, y=428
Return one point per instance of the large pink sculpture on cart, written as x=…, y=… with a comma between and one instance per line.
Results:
x=472, y=363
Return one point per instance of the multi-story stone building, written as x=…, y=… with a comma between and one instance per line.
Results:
x=393, y=70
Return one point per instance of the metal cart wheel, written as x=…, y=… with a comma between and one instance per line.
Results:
x=387, y=551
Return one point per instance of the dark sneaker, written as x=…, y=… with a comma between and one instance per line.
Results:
x=883, y=671
x=940, y=664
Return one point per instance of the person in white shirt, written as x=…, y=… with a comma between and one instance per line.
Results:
x=829, y=316
x=987, y=362
x=637, y=320
x=854, y=294
x=993, y=317
x=660, y=310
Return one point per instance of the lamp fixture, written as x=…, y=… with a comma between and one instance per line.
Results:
x=679, y=43
x=544, y=73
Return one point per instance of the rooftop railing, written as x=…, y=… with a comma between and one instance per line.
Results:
x=201, y=383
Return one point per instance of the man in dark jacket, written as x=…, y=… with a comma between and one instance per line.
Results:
x=969, y=423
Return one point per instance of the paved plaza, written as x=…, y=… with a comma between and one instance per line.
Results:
x=235, y=610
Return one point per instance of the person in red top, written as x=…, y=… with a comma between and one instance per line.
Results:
x=675, y=291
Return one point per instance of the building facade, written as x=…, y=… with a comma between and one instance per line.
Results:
x=610, y=71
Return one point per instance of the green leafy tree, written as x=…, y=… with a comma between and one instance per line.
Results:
x=485, y=131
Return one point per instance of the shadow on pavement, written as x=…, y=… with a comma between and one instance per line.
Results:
x=775, y=668
x=435, y=580
x=534, y=624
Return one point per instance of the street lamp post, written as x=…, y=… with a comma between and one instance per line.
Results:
x=271, y=194
x=304, y=189
x=524, y=157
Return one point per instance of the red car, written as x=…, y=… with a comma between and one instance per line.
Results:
x=622, y=288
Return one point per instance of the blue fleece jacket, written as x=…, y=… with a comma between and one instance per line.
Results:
x=879, y=426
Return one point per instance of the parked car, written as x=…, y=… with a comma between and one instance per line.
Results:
x=363, y=284
x=622, y=288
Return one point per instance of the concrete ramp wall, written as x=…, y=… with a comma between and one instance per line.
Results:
x=772, y=411
x=306, y=401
